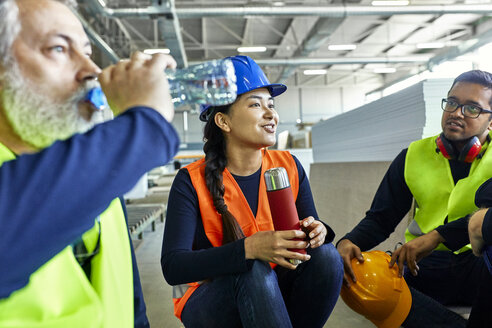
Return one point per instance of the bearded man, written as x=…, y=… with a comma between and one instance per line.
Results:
x=65, y=253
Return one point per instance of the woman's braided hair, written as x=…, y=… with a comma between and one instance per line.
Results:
x=215, y=163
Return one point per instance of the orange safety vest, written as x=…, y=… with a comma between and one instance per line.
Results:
x=237, y=205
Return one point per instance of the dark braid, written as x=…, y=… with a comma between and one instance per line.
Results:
x=215, y=163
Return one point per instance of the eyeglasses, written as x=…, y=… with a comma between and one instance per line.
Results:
x=471, y=111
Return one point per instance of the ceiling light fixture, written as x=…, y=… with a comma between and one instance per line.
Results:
x=278, y=3
x=337, y=47
x=157, y=51
x=390, y=3
x=315, y=72
x=384, y=70
x=251, y=49
x=430, y=45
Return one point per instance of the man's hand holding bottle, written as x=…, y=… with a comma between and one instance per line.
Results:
x=139, y=81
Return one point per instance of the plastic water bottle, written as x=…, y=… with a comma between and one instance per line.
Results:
x=211, y=83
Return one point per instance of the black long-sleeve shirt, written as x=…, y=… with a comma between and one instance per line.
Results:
x=187, y=254
x=483, y=198
x=393, y=200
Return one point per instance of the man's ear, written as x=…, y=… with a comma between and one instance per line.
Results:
x=222, y=121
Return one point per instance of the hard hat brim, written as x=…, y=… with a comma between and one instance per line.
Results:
x=379, y=294
x=275, y=89
x=400, y=313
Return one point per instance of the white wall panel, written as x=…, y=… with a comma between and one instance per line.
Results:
x=379, y=130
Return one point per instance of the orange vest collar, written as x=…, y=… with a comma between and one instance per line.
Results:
x=235, y=200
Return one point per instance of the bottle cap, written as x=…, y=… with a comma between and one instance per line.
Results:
x=276, y=179
x=96, y=98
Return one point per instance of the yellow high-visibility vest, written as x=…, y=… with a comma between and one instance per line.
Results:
x=429, y=178
x=60, y=295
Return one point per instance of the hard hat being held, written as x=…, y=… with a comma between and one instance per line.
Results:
x=379, y=294
x=249, y=76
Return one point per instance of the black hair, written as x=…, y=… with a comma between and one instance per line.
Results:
x=477, y=77
x=215, y=163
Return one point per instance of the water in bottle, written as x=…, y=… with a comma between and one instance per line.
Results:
x=212, y=83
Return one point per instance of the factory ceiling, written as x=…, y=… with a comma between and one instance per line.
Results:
x=387, y=43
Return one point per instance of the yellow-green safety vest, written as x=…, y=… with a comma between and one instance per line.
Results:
x=429, y=178
x=59, y=294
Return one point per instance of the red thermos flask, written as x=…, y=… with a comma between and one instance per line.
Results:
x=282, y=204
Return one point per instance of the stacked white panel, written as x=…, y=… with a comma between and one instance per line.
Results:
x=379, y=130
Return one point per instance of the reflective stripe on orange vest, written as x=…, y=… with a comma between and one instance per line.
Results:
x=237, y=205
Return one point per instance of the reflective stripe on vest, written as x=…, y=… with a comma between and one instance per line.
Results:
x=429, y=178
x=59, y=295
x=237, y=205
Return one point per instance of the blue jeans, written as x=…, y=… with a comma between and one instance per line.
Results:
x=443, y=279
x=262, y=297
x=481, y=313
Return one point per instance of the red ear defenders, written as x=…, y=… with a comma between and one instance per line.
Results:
x=468, y=154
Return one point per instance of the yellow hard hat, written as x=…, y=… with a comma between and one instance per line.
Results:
x=379, y=294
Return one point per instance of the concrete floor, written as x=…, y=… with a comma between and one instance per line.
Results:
x=158, y=294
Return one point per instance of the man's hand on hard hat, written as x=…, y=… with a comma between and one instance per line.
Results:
x=274, y=247
x=415, y=250
x=348, y=250
x=139, y=81
x=475, y=231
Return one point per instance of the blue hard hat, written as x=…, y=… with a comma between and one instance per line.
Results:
x=249, y=76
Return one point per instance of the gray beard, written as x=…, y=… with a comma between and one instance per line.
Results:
x=38, y=120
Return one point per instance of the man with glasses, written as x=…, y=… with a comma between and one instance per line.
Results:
x=440, y=175
x=468, y=110
x=66, y=258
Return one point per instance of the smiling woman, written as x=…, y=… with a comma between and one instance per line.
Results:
x=250, y=124
x=219, y=236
